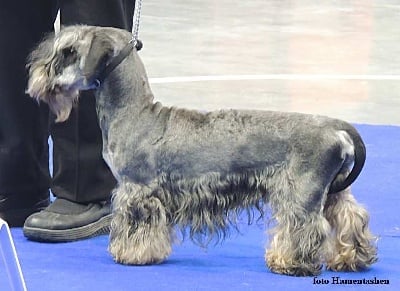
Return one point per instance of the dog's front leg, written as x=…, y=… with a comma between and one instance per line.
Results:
x=140, y=233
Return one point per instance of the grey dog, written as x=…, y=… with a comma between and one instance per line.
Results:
x=180, y=169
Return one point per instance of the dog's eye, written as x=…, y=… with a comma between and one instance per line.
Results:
x=69, y=51
x=65, y=58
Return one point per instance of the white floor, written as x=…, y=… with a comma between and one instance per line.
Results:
x=337, y=58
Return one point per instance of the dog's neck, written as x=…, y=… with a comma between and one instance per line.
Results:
x=122, y=91
x=116, y=61
x=126, y=94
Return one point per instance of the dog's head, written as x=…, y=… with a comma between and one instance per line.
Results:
x=69, y=62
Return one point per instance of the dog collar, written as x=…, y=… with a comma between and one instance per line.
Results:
x=116, y=61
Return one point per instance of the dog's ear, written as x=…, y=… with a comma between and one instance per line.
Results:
x=100, y=51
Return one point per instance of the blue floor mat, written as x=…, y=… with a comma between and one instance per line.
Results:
x=237, y=263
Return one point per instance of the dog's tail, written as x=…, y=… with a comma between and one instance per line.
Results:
x=338, y=184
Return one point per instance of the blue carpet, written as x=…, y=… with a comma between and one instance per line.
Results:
x=237, y=263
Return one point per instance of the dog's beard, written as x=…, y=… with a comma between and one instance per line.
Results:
x=59, y=99
x=61, y=103
x=38, y=84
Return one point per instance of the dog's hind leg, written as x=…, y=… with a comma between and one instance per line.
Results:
x=299, y=241
x=298, y=248
x=140, y=233
x=354, y=246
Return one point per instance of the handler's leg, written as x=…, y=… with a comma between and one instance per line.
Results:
x=82, y=181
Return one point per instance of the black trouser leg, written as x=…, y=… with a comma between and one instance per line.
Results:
x=80, y=174
x=23, y=124
x=24, y=160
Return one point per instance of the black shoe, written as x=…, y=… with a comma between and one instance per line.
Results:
x=65, y=221
x=15, y=208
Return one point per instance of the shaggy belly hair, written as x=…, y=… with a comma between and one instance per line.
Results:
x=208, y=207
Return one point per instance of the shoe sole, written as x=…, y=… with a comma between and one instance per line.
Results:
x=99, y=227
